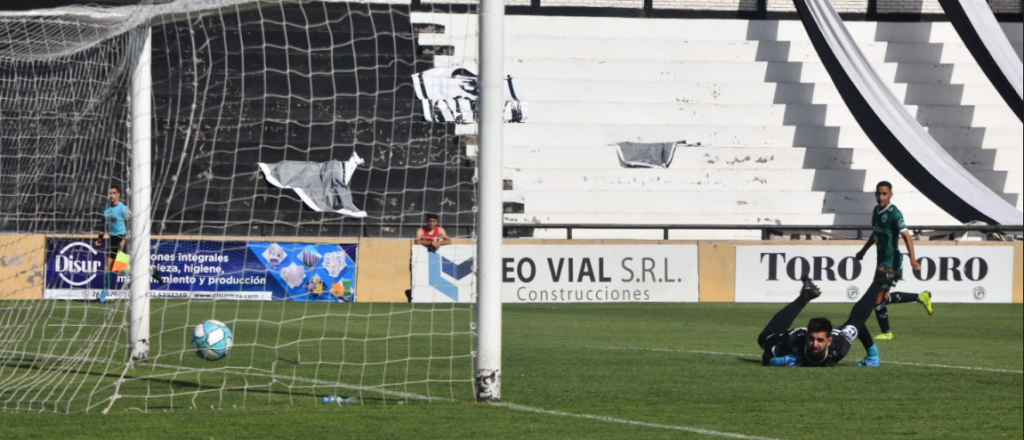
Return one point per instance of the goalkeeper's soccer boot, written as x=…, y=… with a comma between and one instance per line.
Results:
x=810, y=292
x=870, y=363
x=885, y=337
x=872, y=360
x=926, y=300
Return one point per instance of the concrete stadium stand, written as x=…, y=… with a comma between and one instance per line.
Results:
x=778, y=145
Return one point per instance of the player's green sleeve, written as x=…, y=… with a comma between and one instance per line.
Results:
x=901, y=225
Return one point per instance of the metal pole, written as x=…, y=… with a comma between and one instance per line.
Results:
x=141, y=187
x=489, y=200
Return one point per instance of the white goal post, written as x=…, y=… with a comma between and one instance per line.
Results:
x=490, y=222
x=141, y=196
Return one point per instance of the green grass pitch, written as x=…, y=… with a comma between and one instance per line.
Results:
x=570, y=371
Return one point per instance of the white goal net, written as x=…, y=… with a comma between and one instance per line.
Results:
x=297, y=147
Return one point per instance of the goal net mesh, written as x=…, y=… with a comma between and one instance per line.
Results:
x=297, y=148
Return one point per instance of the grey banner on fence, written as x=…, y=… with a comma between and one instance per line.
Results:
x=322, y=186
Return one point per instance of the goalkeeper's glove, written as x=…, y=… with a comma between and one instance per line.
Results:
x=787, y=361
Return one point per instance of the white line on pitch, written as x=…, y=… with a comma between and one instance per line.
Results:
x=750, y=356
x=954, y=367
x=302, y=379
x=704, y=432
x=519, y=408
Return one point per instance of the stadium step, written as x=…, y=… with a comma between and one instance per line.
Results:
x=777, y=180
x=595, y=134
x=741, y=93
x=463, y=26
x=714, y=114
x=750, y=71
x=606, y=159
x=651, y=49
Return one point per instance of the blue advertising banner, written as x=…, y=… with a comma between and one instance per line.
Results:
x=252, y=271
x=307, y=272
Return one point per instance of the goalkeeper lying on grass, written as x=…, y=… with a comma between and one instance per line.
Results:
x=818, y=345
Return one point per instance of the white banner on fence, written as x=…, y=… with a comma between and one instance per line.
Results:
x=954, y=274
x=92, y=295
x=445, y=276
x=564, y=274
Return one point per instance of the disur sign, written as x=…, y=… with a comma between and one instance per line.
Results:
x=563, y=274
x=76, y=266
x=958, y=274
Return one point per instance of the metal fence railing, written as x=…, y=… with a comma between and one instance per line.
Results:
x=831, y=232
x=349, y=228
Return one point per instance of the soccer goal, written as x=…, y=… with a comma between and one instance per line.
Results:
x=214, y=203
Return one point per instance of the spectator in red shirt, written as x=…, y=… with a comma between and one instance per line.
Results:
x=431, y=235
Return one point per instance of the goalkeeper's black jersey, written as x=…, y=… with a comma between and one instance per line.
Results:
x=795, y=343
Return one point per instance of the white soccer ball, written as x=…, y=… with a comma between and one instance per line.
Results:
x=212, y=340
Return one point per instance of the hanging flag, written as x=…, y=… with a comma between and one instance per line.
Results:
x=122, y=262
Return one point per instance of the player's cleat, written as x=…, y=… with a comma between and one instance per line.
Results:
x=103, y=296
x=926, y=300
x=810, y=292
x=870, y=363
x=872, y=360
x=885, y=337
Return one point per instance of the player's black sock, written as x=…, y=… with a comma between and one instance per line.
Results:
x=903, y=297
x=860, y=314
x=882, y=313
x=783, y=320
x=864, y=335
